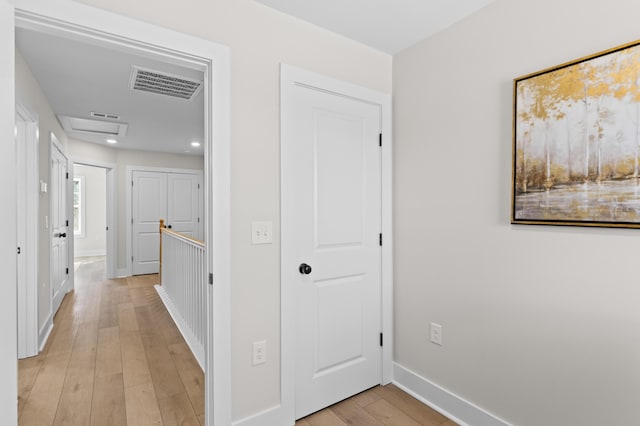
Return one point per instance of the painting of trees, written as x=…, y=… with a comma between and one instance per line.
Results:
x=576, y=142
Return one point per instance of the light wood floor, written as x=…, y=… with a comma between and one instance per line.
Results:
x=379, y=406
x=115, y=357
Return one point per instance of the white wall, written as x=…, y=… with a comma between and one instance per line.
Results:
x=260, y=39
x=94, y=240
x=29, y=94
x=540, y=324
x=85, y=151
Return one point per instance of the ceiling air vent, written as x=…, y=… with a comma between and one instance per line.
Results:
x=163, y=84
x=104, y=115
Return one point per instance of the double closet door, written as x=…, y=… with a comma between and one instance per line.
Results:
x=174, y=197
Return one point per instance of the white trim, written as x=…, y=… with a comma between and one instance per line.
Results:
x=290, y=76
x=8, y=305
x=445, y=402
x=112, y=208
x=185, y=330
x=129, y=207
x=28, y=286
x=270, y=416
x=90, y=253
x=82, y=22
x=45, y=332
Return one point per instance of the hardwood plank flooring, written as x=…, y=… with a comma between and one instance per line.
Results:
x=115, y=357
x=382, y=405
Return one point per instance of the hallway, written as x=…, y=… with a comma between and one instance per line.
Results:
x=115, y=357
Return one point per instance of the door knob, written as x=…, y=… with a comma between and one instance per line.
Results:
x=63, y=235
x=304, y=269
x=169, y=226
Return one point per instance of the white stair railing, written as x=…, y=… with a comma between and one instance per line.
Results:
x=183, y=286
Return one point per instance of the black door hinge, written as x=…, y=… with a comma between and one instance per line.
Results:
x=67, y=175
x=381, y=339
x=19, y=250
x=380, y=140
x=67, y=271
x=380, y=240
x=210, y=278
x=67, y=223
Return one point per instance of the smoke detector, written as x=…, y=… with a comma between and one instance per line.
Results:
x=161, y=83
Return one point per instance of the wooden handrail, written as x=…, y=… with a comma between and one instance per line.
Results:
x=183, y=236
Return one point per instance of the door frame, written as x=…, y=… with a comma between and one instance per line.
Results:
x=129, y=206
x=54, y=143
x=82, y=22
x=8, y=216
x=28, y=281
x=290, y=77
x=112, y=206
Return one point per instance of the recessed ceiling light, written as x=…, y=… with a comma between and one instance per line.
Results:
x=112, y=141
x=195, y=144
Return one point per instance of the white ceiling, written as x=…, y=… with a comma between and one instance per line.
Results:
x=386, y=25
x=79, y=78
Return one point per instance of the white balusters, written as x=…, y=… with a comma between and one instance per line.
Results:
x=183, y=287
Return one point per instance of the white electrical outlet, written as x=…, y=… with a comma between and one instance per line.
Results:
x=259, y=352
x=261, y=232
x=436, y=333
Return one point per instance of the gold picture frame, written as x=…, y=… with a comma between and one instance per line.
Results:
x=576, y=142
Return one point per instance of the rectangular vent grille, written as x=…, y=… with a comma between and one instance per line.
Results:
x=164, y=84
x=105, y=115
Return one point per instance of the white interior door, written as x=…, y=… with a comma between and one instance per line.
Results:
x=59, y=225
x=149, y=205
x=333, y=187
x=183, y=205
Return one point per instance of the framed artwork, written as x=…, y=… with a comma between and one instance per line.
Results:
x=576, y=142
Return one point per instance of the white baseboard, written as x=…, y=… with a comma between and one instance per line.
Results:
x=445, y=402
x=89, y=253
x=270, y=416
x=45, y=332
x=196, y=348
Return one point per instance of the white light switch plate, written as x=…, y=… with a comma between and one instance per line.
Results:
x=436, y=333
x=261, y=232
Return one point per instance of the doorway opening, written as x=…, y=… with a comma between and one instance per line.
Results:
x=98, y=27
x=92, y=210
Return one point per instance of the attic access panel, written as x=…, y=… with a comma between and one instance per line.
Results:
x=94, y=127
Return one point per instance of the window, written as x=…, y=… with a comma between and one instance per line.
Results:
x=79, y=228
